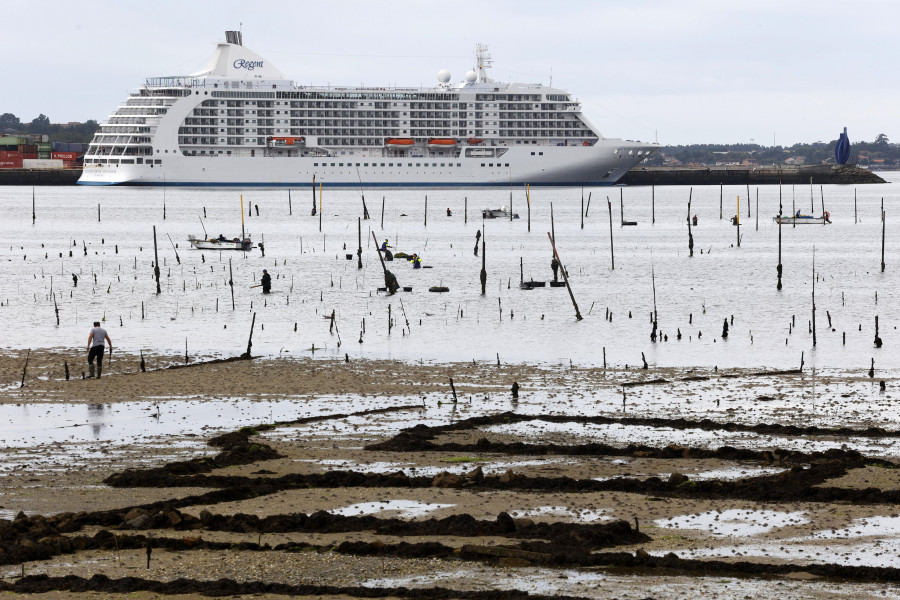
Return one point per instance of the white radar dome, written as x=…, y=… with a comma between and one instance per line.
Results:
x=471, y=77
x=444, y=76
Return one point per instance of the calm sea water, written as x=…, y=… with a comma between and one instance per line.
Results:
x=312, y=277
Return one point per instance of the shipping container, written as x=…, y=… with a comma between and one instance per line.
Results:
x=28, y=154
x=27, y=148
x=30, y=163
x=12, y=140
x=64, y=155
x=10, y=163
x=10, y=154
x=44, y=146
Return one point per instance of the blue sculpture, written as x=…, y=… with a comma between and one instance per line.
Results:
x=842, y=149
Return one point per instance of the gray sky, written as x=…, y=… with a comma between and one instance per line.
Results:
x=692, y=71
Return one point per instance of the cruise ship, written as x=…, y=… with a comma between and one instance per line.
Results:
x=240, y=122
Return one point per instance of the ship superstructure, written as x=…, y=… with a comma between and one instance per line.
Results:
x=240, y=122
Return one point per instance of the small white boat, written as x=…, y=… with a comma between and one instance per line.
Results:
x=221, y=243
x=825, y=219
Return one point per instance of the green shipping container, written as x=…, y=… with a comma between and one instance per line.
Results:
x=42, y=155
x=11, y=140
x=44, y=146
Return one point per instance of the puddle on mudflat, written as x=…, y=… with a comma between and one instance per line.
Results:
x=734, y=522
x=487, y=466
x=391, y=508
x=580, y=515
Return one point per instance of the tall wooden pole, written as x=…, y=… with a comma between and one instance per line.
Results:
x=528, y=200
x=582, y=208
x=812, y=207
x=426, y=210
x=33, y=216
x=320, y=206
x=780, y=213
x=382, y=213
x=290, y=210
x=748, y=200
x=565, y=277
x=737, y=218
x=314, y=196
x=720, y=201
x=483, y=261
x=814, y=297
x=690, y=233
x=231, y=280
x=359, y=250
x=465, y=210
x=653, y=204
x=510, y=206
x=855, y=219
x=883, y=220
x=156, y=262
x=243, y=237
x=612, y=254
x=757, y=209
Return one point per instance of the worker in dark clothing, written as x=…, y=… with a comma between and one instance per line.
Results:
x=477, y=239
x=554, y=264
x=416, y=261
x=390, y=282
x=449, y=214
x=266, y=282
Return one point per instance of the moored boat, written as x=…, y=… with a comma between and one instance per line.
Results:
x=221, y=243
x=442, y=144
x=799, y=219
x=497, y=213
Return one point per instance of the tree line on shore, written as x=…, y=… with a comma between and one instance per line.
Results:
x=880, y=152
x=58, y=132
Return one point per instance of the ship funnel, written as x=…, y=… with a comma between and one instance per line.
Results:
x=234, y=37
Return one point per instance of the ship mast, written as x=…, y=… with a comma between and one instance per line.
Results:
x=483, y=61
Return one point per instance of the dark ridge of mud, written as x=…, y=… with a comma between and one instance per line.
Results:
x=420, y=432
x=228, y=587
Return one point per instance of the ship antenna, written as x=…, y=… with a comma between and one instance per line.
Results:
x=483, y=61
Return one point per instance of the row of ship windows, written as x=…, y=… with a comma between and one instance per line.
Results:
x=407, y=164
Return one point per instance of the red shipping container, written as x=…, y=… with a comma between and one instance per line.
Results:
x=28, y=149
x=11, y=163
x=9, y=154
x=64, y=155
x=29, y=155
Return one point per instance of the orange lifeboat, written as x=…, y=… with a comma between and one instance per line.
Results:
x=475, y=141
x=441, y=143
x=399, y=143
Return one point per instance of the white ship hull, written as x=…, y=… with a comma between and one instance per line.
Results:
x=554, y=166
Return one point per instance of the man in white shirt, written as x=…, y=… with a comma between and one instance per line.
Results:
x=96, y=347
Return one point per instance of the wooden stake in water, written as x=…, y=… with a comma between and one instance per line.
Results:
x=565, y=277
x=483, y=275
x=246, y=354
x=737, y=221
x=588, y=208
x=314, y=196
x=320, y=206
x=720, y=201
x=33, y=216
x=582, y=208
x=426, y=210
x=230, y=284
x=528, y=200
x=653, y=205
x=243, y=236
x=690, y=233
x=748, y=200
x=855, y=219
x=612, y=254
x=359, y=250
x=812, y=207
x=883, y=220
x=156, y=262
x=98, y=212
x=510, y=205
x=382, y=212
x=289, y=203
x=465, y=210
x=779, y=268
x=814, y=297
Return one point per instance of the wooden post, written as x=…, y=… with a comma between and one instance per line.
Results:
x=653, y=204
x=426, y=210
x=720, y=201
x=737, y=218
x=466, y=210
x=757, y=208
x=156, y=262
x=552, y=226
x=290, y=212
x=690, y=233
x=621, y=206
x=778, y=287
x=582, y=208
x=382, y=212
x=814, y=297
x=453, y=387
x=528, y=200
x=483, y=275
x=612, y=254
x=33, y=216
x=855, y=219
x=812, y=206
x=883, y=220
x=314, y=196
x=748, y=200
x=359, y=250
x=230, y=284
x=588, y=208
x=565, y=277
x=246, y=354
x=510, y=206
x=320, y=206
x=25, y=368
x=822, y=196
x=243, y=237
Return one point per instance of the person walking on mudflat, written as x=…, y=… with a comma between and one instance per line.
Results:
x=96, y=348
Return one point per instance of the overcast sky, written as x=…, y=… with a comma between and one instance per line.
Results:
x=692, y=71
